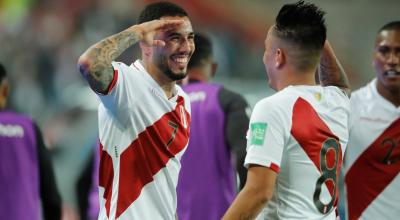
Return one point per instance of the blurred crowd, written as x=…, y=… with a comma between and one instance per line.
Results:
x=41, y=41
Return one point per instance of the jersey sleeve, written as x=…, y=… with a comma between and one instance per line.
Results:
x=356, y=106
x=121, y=92
x=265, y=137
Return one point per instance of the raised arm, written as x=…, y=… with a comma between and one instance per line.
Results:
x=330, y=71
x=95, y=62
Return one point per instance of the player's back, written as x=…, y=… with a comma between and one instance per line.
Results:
x=19, y=174
x=311, y=123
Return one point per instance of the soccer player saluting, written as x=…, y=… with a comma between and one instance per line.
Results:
x=143, y=116
x=296, y=137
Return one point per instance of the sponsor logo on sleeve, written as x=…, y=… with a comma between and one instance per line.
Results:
x=258, y=133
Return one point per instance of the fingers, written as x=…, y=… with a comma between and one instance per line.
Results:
x=154, y=25
x=174, y=22
x=158, y=43
x=167, y=24
x=149, y=29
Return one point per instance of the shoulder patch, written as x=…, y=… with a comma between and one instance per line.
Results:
x=258, y=131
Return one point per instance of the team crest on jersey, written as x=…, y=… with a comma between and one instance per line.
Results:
x=183, y=116
x=317, y=96
x=258, y=133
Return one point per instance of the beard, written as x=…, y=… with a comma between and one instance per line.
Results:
x=174, y=76
x=163, y=66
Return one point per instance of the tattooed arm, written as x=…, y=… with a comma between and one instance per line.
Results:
x=330, y=71
x=95, y=62
x=254, y=196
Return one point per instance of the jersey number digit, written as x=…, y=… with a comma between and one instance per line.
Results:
x=328, y=174
x=175, y=127
x=391, y=143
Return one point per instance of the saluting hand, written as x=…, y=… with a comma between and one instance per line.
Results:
x=149, y=29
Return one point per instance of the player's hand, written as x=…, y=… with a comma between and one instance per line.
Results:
x=149, y=29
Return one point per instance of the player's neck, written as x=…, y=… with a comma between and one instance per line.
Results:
x=167, y=84
x=392, y=96
x=169, y=89
x=296, y=79
x=196, y=75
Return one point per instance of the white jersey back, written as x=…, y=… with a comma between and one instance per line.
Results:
x=143, y=136
x=372, y=163
x=301, y=133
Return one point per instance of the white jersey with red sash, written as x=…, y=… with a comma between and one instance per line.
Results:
x=143, y=135
x=372, y=162
x=301, y=133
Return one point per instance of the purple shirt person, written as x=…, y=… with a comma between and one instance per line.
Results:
x=207, y=182
x=26, y=173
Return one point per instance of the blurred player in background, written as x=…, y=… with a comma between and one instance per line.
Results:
x=207, y=183
x=27, y=180
x=372, y=163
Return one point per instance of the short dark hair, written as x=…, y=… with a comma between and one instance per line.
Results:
x=302, y=25
x=202, y=52
x=394, y=25
x=3, y=73
x=160, y=9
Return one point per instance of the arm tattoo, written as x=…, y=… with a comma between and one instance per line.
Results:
x=97, y=69
x=331, y=73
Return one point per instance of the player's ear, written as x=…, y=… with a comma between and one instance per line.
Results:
x=279, y=58
x=4, y=92
x=4, y=88
x=214, y=67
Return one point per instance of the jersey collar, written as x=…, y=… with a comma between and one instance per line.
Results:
x=372, y=85
x=156, y=87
